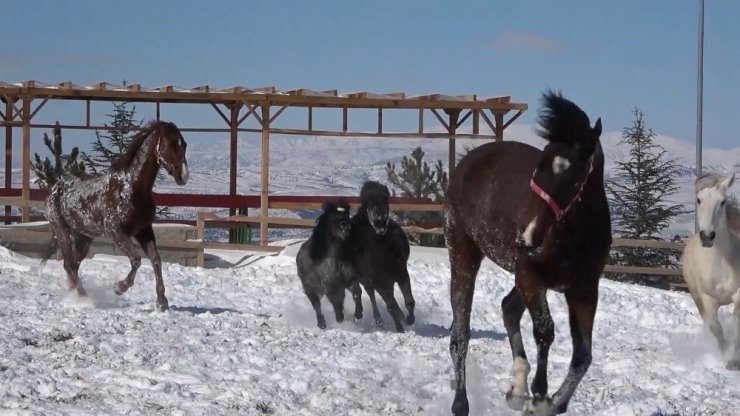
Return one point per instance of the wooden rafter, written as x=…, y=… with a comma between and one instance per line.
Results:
x=441, y=120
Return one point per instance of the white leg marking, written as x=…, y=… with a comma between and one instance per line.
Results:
x=185, y=173
x=521, y=371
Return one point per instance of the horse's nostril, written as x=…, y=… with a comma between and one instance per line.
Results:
x=712, y=235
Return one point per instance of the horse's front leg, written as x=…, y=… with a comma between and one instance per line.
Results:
x=356, y=291
x=513, y=309
x=147, y=241
x=734, y=363
x=582, y=309
x=535, y=299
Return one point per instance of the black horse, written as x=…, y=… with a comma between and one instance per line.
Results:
x=325, y=264
x=381, y=251
x=544, y=216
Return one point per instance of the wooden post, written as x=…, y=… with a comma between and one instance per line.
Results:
x=26, y=177
x=265, y=174
x=9, y=115
x=499, y=117
x=454, y=114
x=233, y=150
x=200, y=230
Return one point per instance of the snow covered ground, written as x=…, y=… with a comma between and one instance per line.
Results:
x=243, y=340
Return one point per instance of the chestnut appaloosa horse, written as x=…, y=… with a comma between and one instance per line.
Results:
x=543, y=215
x=117, y=205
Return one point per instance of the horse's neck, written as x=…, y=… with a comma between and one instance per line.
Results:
x=727, y=242
x=144, y=166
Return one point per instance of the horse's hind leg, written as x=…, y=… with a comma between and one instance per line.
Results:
x=465, y=259
x=123, y=242
x=513, y=309
x=147, y=241
x=404, y=284
x=581, y=309
x=71, y=258
x=734, y=363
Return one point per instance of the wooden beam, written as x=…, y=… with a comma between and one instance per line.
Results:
x=421, y=121
x=663, y=271
x=310, y=118
x=87, y=113
x=453, y=115
x=344, y=119
x=476, y=121
x=221, y=113
x=276, y=115
x=630, y=242
x=33, y=114
x=488, y=121
x=157, y=110
x=265, y=175
x=252, y=109
x=441, y=120
x=512, y=119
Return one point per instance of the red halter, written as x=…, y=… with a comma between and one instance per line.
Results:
x=560, y=212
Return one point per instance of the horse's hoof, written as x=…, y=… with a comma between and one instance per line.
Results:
x=538, y=407
x=410, y=320
x=378, y=322
x=120, y=287
x=515, y=401
x=358, y=321
x=340, y=318
x=321, y=323
x=460, y=406
x=81, y=292
x=733, y=365
x=399, y=329
x=163, y=306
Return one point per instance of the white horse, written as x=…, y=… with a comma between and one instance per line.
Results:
x=711, y=260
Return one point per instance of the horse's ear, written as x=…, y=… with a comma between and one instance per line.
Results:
x=728, y=180
x=328, y=206
x=597, y=127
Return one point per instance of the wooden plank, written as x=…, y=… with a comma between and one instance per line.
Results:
x=628, y=242
x=434, y=207
x=26, y=154
x=420, y=230
x=643, y=270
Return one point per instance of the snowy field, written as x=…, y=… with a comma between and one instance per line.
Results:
x=242, y=340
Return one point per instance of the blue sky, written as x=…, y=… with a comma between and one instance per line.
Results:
x=608, y=56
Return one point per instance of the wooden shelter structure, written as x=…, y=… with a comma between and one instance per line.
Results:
x=22, y=101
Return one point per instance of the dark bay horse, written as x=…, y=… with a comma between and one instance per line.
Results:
x=542, y=215
x=324, y=263
x=117, y=205
x=381, y=253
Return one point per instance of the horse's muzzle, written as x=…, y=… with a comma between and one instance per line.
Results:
x=707, y=240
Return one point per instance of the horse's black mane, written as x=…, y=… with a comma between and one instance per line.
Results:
x=321, y=235
x=372, y=190
x=562, y=121
x=125, y=160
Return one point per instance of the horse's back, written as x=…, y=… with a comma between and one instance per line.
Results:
x=486, y=192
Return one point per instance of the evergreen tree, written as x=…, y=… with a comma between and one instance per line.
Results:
x=47, y=172
x=638, y=201
x=419, y=180
x=111, y=144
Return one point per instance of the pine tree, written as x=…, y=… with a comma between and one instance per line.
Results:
x=638, y=200
x=47, y=172
x=419, y=180
x=111, y=144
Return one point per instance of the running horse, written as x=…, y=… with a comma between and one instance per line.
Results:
x=711, y=260
x=117, y=205
x=543, y=215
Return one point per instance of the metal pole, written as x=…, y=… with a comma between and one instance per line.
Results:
x=699, y=100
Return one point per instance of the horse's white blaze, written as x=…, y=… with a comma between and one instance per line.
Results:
x=185, y=173
x=521, y=372
x=528, y=234
x=560, y=164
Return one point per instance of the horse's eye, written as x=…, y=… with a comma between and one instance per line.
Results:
x=698, y=201
x=723, y=202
